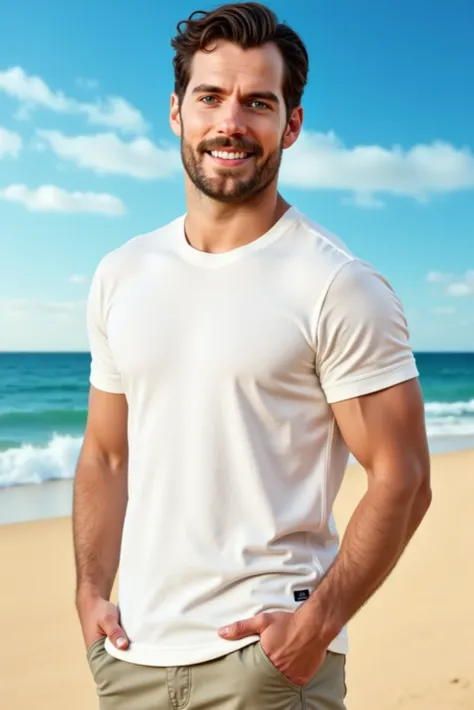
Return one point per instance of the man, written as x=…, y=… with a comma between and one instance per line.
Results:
x=238, y=354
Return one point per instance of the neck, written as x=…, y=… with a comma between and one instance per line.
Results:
x=214, y=227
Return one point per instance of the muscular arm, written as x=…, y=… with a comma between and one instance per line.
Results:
x=385, y=431
x=100, y=495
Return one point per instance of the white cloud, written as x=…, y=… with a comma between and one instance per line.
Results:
x=460, y=285
x=32, y=92
x=78, y=279
x=13, y=307
x=437, y=277
x=25, y=307
x=107, y=153
x=10, y=142
x=59, y=308
x=364, y=199
x=114, y=112
x=322, y=161
x=444, y=311
x=48, y=198
x=461, y=288
x=34, y=324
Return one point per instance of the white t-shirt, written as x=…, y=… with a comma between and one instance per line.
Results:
x=229, y=363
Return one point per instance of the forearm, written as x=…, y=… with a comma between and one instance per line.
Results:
x=100, y=499
x=378, y=532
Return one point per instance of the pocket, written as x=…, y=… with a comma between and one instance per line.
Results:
x=95, y=652
x=274, y=670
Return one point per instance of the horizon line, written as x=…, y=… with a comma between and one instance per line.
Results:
x=87, y=352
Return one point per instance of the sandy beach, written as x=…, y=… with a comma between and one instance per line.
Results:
x=411, y=645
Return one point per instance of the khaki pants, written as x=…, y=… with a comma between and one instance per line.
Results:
x=242, y=680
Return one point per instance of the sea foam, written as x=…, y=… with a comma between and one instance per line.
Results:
x=57, y=459
x=37, y=464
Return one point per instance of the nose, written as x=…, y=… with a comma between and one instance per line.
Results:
x=232, y=119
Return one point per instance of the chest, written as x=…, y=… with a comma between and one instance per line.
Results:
x=211, y=326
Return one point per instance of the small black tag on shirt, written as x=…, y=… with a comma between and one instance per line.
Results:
x=301, y=595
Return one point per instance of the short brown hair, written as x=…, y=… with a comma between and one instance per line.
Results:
x=248, y=25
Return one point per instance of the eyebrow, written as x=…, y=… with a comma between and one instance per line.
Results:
x=211, y=89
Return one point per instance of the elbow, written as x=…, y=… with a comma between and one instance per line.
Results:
x=409, y=485
x=421, y=494
x=424, y=494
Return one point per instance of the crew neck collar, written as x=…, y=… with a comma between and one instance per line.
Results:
x=212, y=260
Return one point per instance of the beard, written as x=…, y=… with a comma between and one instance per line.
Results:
x=227, y=186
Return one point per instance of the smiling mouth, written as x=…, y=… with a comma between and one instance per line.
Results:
x=229, y=155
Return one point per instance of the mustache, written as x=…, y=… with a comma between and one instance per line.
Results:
x=237, y=145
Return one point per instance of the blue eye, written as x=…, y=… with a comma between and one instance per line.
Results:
x=203, y=100
x=261, y=104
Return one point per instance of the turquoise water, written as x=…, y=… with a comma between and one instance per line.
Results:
x=43, y=405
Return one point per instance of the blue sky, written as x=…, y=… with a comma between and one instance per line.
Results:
x=87, y=158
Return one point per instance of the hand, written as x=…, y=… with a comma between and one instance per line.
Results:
x=297, y=656
x=100, y=618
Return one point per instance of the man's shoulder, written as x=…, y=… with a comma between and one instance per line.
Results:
x=126, y=255
x=327, y=256
x=318, y=245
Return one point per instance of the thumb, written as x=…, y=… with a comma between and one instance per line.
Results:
x=114, y=632
x=245, y=627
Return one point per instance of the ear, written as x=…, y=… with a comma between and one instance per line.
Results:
x=175, y=116
x=293, y=129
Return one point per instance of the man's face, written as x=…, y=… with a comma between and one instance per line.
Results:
x=232, y=121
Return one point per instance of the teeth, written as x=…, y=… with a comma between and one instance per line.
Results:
x=228, y=156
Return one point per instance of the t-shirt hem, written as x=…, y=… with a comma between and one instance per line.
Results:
x=371, y=383
x=145, y=655
x=106, y=385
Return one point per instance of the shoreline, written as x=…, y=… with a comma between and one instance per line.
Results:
x=53, y=499
x=33, y=502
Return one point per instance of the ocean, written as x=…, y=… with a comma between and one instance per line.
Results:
x=43, y=406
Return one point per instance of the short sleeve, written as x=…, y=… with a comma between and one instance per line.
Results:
x=362, y=335
x=103, y=373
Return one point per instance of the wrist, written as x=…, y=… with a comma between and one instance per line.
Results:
x=87, y=595
x=314, y=623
